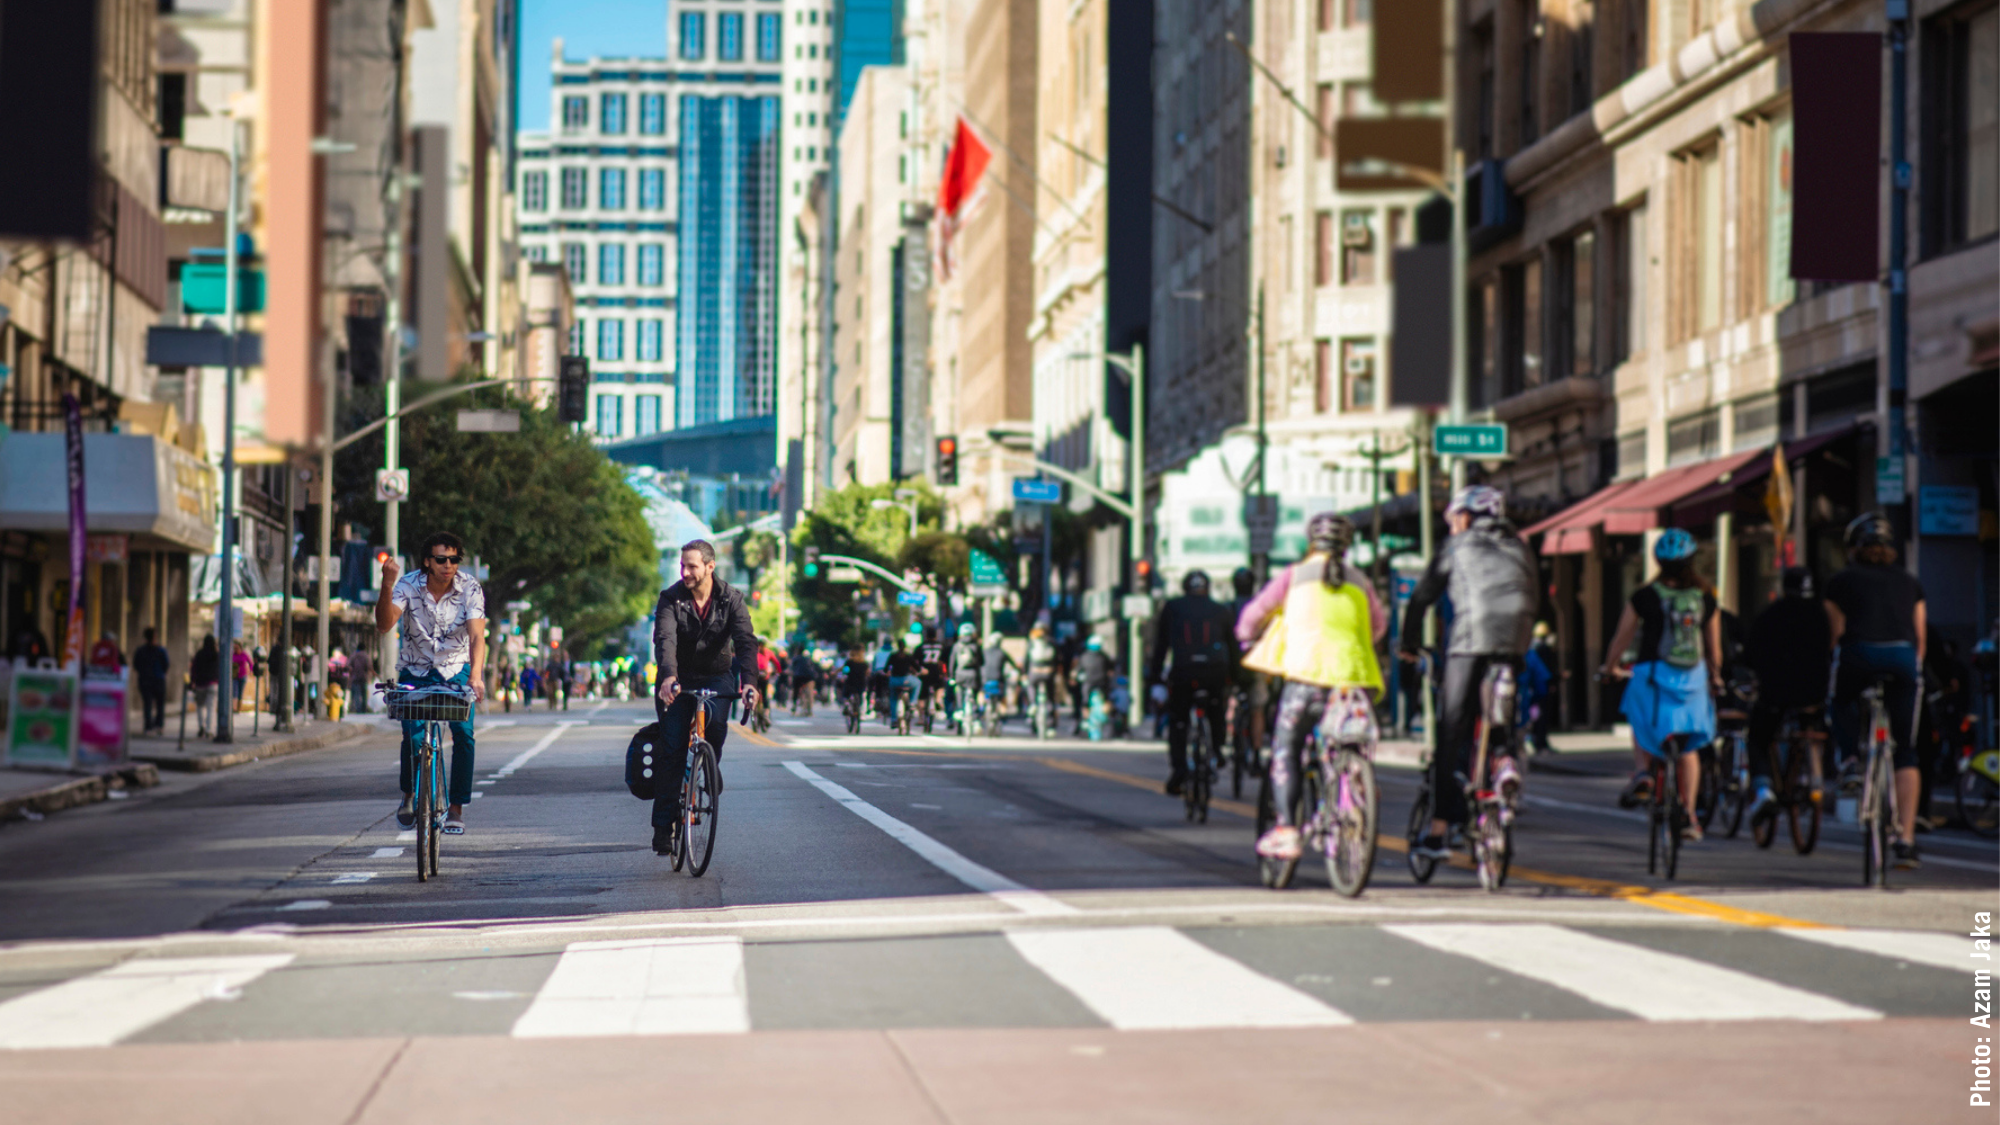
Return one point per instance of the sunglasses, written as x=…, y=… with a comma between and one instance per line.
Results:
x=446, y=560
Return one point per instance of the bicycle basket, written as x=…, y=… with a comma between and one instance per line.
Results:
x=442, y=703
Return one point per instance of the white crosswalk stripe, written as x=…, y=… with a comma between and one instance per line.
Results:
x=1154, y=977
x=104, y=1007
x=1941, y=951
x=666, y=986
x=1650, y=984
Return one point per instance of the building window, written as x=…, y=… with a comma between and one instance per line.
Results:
x=576, y=338
x=647, y=347
x=1482, y=51
x=646, y=415
x=610, y=416
x=1576, y=306
x=1357, y=375
x=652, y=189
x=1764, y=209
x=1632, y=455
x=1531, y=72
x=173, y=106
x=1961, y=101
x=575, y=114
x=535, y=252
x=652, y=114
x=1632, y=258
x=1325, y=379
x=1582, y=46
x=1527, y=327
x=1483, y=351
x=576, y=260
x=1633, y=41
x=1323, y=106
x=652, y=264
x=611, y=113
x=1697, y=244
x=1695, y=438
x=693, y=30
x=1324, y=13
x=1359, y=12
x=1323, y=248
x=770, y=37
x=611, y=340
x=575, y=188
x=611, y=189
x=534, y=191
x=610, y=265
x=1357, y=248
x=729, y=36
x=1761, y=421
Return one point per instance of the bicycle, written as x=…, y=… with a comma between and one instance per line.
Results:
x=1491, y=831
x=990, y=709
x=1242, y=752
x=701, y=789
x=1878, y=790
x=1977, y=790
x=433, y=705
x=850, y=711
x=1795, y=791
x=802, y=699
x=1666, y=817
x=1339, y=786
x=1044, y=718
x=1727, y=760
x=1202, y=755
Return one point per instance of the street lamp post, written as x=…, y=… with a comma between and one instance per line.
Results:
x=1133, y=364
x=225, y=607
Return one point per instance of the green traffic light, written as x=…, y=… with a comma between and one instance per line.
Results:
x=812, y=570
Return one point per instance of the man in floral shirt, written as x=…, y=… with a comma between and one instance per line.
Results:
x=443, y=614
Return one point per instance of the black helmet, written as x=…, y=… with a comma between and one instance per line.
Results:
x=1196, y=583
x=1798, y=582
x=1330, y=532
x=1245, y=581
x=1870, y=529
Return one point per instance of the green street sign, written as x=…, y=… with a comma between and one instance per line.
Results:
x=1470, y=441
x=986, y=570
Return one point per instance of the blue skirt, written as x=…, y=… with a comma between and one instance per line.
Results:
x=1662, y=701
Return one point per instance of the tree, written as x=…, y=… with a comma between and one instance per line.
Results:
x=549, y=514
x=847, y=523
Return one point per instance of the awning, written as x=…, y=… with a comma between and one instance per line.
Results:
x=1760, y=468
x=136, y=484
x=1638, y=511
x=1569, y=531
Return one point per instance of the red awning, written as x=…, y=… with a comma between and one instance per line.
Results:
x=1569, y=531
x=1761, y=467
x=1638, y=510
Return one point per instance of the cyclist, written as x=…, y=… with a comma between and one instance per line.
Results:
x=932, y=656
x=852, y=680
x=1195, y=630
x=1331, y=620
x=1093, y=680
x=769, y=666
x=968, y=662
x=805, y=681
x=993, y=669
x=902, y=670
x=1251, y=688
x=442, y=611
x=1490, y=574
x=1877, y=614
x=1041, y=672
x=1789, y=651
x=1678, y=671
x=878, y=678
x=703, y=641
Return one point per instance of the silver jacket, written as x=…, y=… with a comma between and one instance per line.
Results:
x=1489, y=572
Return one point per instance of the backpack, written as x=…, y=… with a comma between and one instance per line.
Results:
x=639, y=761
x=1680, y=633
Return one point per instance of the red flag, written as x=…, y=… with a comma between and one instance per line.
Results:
x=959, y=189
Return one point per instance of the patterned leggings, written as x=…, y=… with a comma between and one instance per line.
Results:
x=1300, y=708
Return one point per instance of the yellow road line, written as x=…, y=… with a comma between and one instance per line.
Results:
x=752, y=735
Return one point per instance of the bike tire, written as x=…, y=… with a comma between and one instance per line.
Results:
x=698, y=820
x=853, y=717
x=1350, y=854
x=1978, y=800
x=1875, y=822
x=1708, y=791
x=1676, y=819
x=438, y=801
x=1195, y=794
x=1735, y=792
x=420, y=804
x=1802, y=808
x=1273, y=873
x=1421, y=867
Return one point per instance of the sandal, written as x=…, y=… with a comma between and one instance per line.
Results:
x=453, y=826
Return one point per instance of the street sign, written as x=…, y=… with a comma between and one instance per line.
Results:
x=1260, y=522
x=392, y=484
x=910, y=597
x=1889, y=481
x=1137, y=605
x=988, y=590
x=986, y=570
x=843, y=574
x=489, y=421
x=1038, y=491
x=1470, y=441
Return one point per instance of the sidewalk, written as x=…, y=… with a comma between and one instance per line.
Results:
x=204, y=754
x=33, y=794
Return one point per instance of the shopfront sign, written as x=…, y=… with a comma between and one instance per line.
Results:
x=1948, y=509
x=41, y=719
x=100, y=722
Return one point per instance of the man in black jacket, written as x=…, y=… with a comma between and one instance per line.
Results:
x=702, y=641
x=1790, y=650
x=1200, y=634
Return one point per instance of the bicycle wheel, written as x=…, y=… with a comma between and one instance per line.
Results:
x=1734, y=794
x=1802, y=808
x=1201, y=776
x=1350, y=849
x=1675, y=819
x=420, y=804
x=1978, y=802
x=1277, y=873
x=1876, y=812
x=1707, y=791
x=1421, y=867
x=927, y=717
x=852, y=714
x=438, y=793
x=704, y=791
x=1658, y=824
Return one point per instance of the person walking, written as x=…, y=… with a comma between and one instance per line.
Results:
x=204, y=672
x=149, y=664
x=241, y=670
x=360, y=674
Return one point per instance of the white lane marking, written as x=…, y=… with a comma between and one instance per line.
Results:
x=388, y=853
x=488, y=994
x=307, y=904
x=980, y=878
x=487, y=781
x=666, y=986
x=104, y=1007
x=526, y=756
x=407, y=836
x=1155, y=977
x=600, y=707
x=354, y=876
x=916, y=805
x=478, y=793
x=482, y=728
x=1631, y=978
x=1943, y=951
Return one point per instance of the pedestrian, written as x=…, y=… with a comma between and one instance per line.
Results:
x=203, y=672
x=278, y=669
x=150, y=665
x=240, y=667
x=360, y=670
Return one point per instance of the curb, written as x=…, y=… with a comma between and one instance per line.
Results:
x=205, y=763
x=78, y=791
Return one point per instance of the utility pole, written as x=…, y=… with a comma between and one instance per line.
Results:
x=1260, y=561
x=392, y=395
x=225, y=607
x=1455, y=168
x=281, y=689
x=1895, y=440
x=1134, y=366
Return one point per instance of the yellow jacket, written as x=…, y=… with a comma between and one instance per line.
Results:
x=1321, y=635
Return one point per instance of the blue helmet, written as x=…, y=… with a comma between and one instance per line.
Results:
x=1674, y=545
x=1095, y=643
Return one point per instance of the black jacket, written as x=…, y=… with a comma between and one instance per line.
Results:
x=1490, y=574
x=688, y=646
x=1200, y=632
x=1790, y=649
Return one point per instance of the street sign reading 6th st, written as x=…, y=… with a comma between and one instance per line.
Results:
x=1470, y=441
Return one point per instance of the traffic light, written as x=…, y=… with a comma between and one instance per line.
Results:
x=947, y=462
x=573, y=390
x=375, y=567
x=1145, y=575
x=812, y=562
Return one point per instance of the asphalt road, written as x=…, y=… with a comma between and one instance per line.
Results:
x=931, y=929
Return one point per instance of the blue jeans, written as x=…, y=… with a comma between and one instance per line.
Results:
x=898, y=686
x=461, y=737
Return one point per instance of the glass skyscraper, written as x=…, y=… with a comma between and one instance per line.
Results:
x=728, y=322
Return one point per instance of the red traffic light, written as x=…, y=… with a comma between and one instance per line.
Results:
x=947, y=445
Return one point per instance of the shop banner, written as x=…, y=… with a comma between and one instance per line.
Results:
x=41, y=719
x=100, y=723
x=72, y=647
